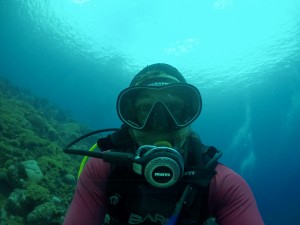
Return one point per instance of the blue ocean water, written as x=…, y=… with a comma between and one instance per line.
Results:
x=243, y=56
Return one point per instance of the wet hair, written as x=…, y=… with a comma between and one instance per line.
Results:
x=151, y=74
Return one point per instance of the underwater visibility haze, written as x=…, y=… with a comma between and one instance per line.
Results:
x=244, y=56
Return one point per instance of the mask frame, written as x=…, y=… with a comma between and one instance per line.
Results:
x=190, y=110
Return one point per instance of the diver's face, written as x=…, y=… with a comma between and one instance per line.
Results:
x=157, y=108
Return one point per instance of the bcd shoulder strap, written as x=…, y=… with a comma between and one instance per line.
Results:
x=195, y=211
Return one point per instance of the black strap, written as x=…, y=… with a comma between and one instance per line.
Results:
x=184, y=199
x=196, y=209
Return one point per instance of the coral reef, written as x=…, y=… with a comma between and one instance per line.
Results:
x=37, y=178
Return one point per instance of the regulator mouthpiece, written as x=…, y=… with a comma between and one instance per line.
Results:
x=163, y=144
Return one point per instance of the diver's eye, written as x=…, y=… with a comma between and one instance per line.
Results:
x=174, y=107
x=142, y=111
x=144, y=108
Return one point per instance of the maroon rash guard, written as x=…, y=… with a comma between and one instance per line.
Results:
x=230, y=199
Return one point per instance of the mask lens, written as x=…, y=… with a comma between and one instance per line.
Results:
x=182, y=102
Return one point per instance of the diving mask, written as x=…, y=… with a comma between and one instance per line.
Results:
x=174, y=106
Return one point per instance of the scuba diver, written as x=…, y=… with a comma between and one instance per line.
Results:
x=155, y=170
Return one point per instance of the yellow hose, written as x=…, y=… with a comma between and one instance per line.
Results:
x=85, y=158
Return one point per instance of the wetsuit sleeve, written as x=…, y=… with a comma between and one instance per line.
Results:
x=89, y=202
x=231, y=200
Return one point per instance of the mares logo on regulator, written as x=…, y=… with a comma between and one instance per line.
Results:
x=161, y=166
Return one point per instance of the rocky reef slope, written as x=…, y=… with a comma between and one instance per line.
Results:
x=37, y=179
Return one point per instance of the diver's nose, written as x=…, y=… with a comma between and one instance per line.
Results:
x=160, y=118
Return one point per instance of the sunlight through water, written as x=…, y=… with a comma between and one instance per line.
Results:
x=214, y=42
